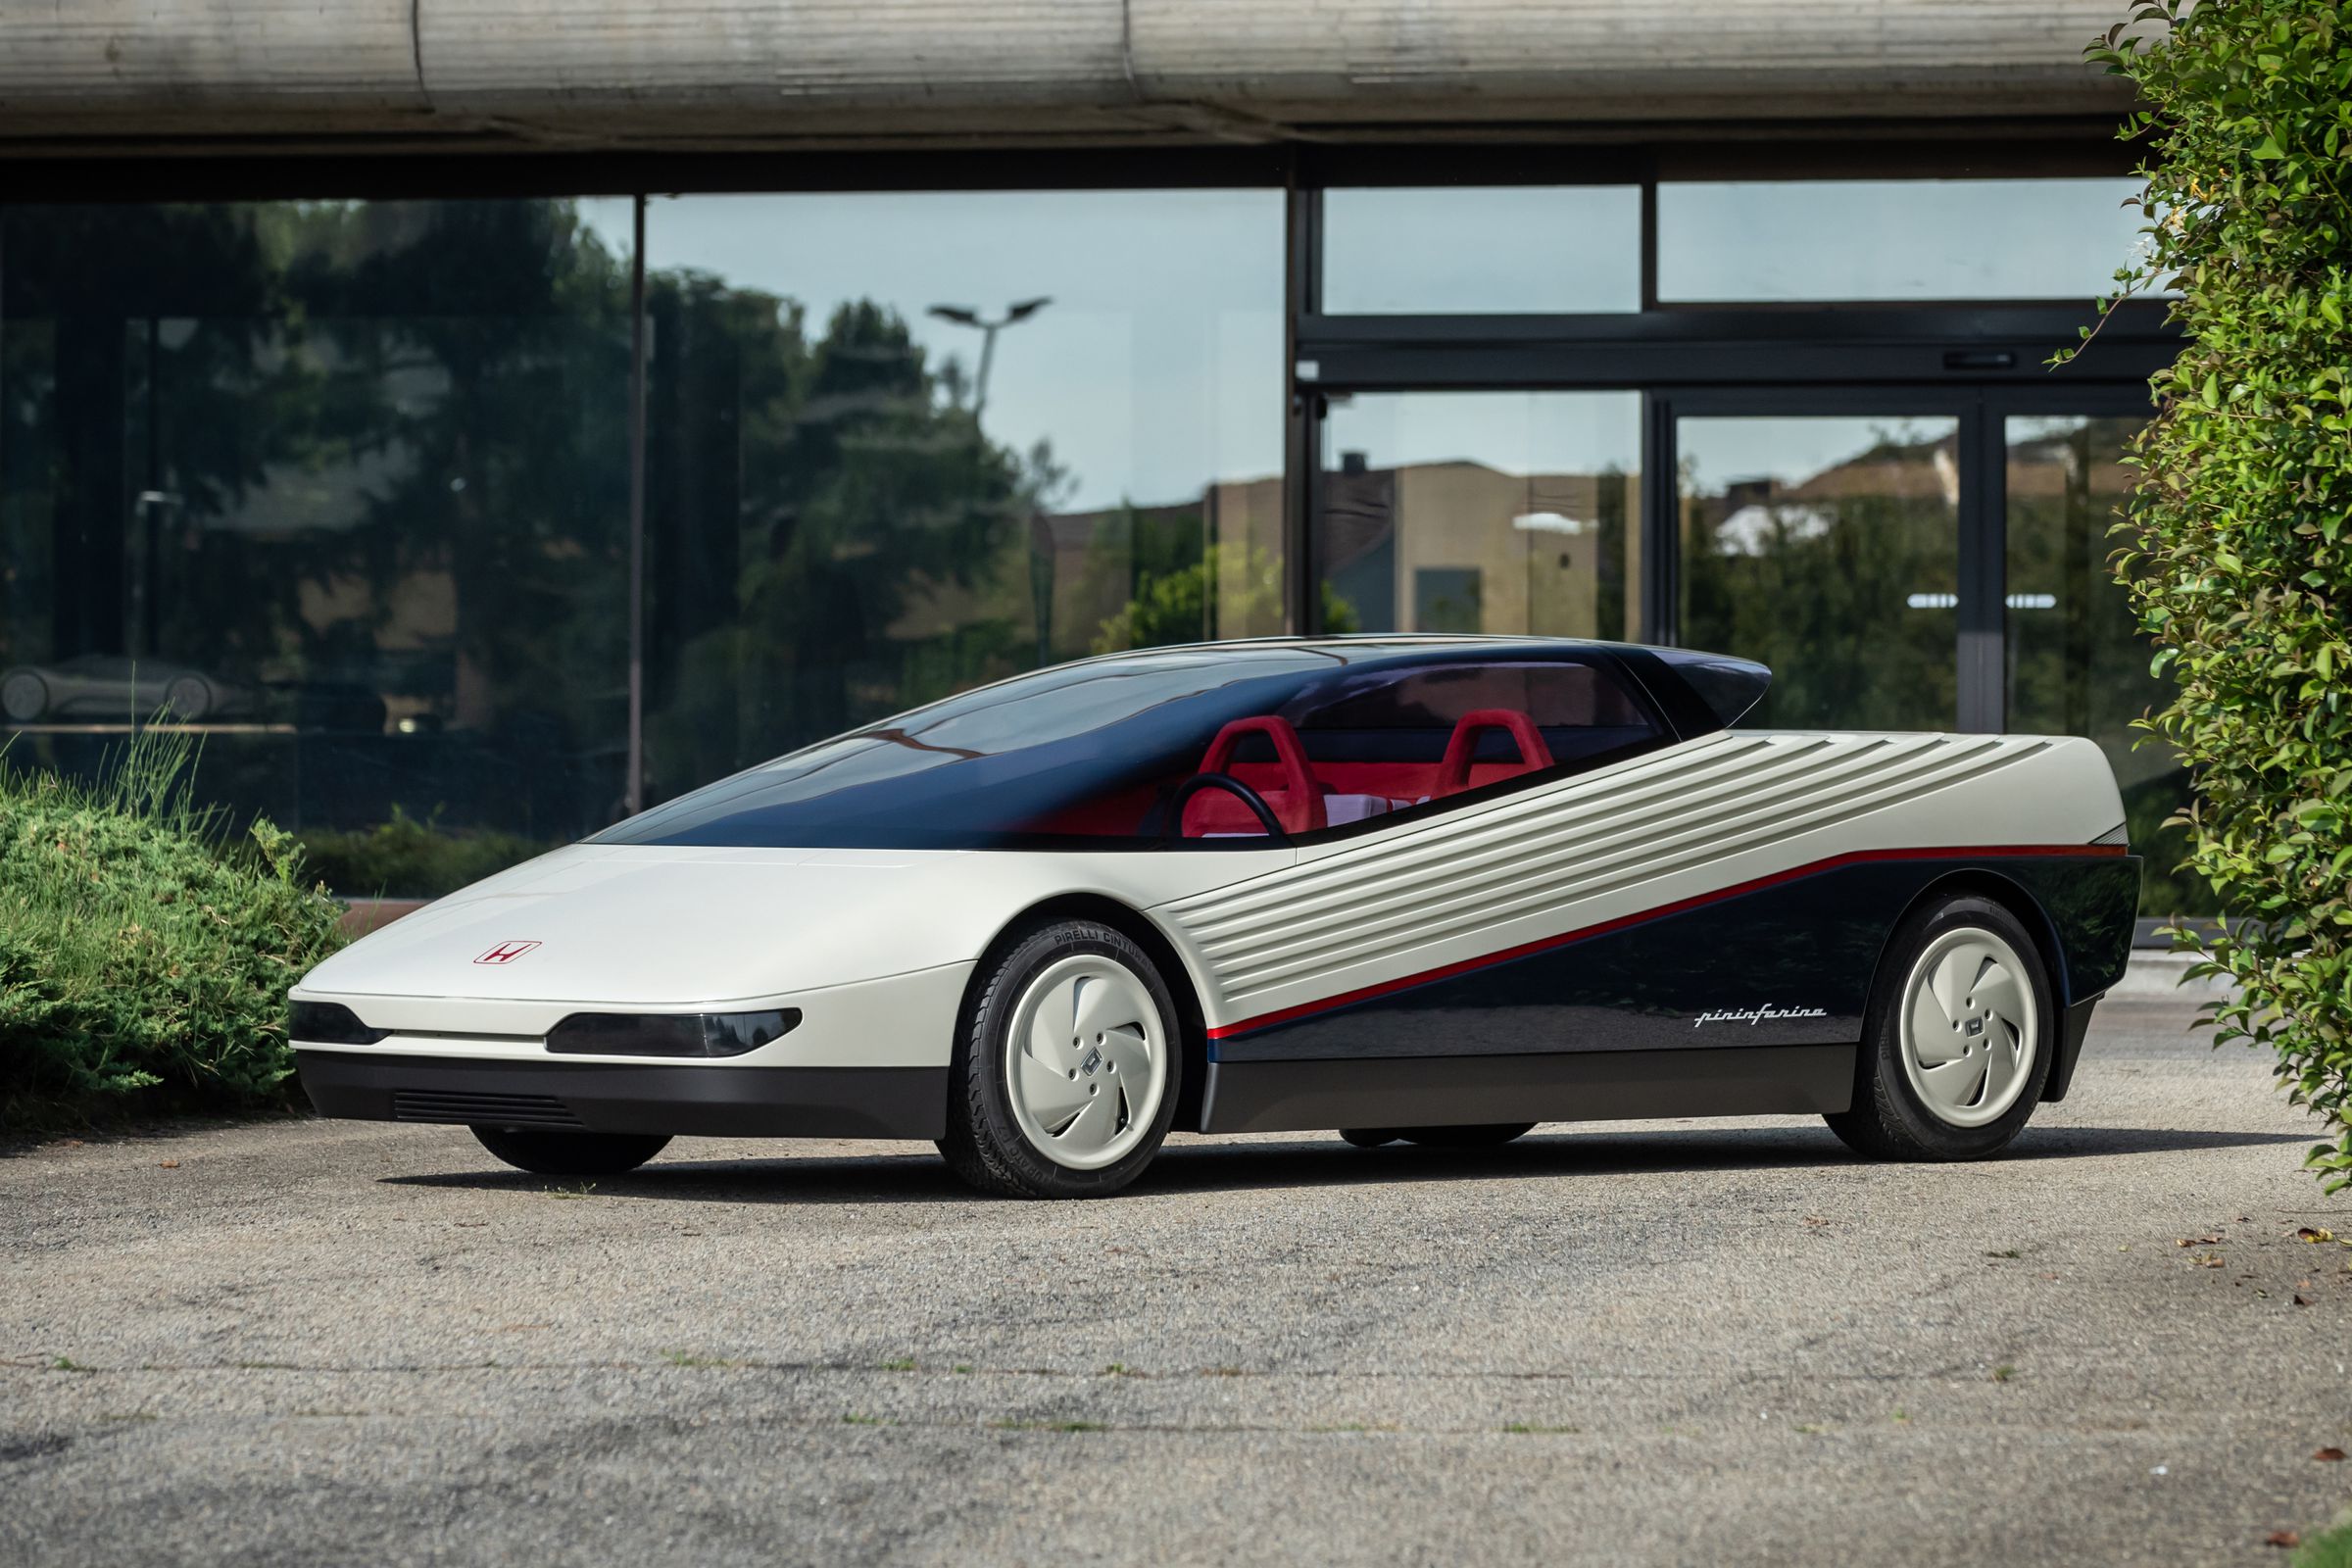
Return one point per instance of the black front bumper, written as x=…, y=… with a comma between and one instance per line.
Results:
x=711, y=1101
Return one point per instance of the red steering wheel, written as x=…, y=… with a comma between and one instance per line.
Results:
x=1301, y=809
x=1453, y=773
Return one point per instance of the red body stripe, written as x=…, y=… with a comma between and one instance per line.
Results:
x=2011, y=852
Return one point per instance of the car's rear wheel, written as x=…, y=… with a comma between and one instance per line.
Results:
x=547, y=1152
x=1067, y=1072
x=1958, y=1039
x=1370, y=1137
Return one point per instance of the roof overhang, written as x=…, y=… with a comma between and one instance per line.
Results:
x=118, y=76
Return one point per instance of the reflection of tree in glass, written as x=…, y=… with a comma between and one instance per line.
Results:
x=476, y=359
x=88, y=292
x=847, y=540
x=1816, y=579
x=368, y=456
x=1185, y=605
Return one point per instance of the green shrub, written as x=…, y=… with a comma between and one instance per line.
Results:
x=2330, y=1549
x=406, y=858
x=2234, y=549
x=2168, y=888
x=144, y=959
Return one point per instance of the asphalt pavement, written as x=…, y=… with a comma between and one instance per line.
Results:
x=1694, y=1342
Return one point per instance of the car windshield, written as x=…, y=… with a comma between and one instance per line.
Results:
x=1301, y=738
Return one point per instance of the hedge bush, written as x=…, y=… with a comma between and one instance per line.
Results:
x=144, y=957
x=410, y=858
x=2234, y=548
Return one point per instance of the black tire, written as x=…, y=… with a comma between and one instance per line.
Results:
x=550, y=1152
x=1370, y=1137
x=986, y=1145
x=1483, y=1135
x=1890, y=1119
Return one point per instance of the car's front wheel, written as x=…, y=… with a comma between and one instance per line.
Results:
x=1067, y=1072
x=1958, y=1040
x=546, y=1153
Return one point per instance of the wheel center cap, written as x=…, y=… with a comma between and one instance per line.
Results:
x=1976, y=1026
x=1094, y=1060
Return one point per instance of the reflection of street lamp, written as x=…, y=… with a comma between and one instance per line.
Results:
x=965, y=316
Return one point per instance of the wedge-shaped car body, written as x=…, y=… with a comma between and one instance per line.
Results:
x=1433, y=889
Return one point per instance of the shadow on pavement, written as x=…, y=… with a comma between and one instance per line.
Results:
x=1311, y=1161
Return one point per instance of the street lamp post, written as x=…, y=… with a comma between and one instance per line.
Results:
x=965, y=316
x=1041, y=548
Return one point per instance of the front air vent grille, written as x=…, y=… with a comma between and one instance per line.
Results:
x=503, y=1111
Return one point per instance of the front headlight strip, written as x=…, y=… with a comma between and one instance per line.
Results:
x=584, y=1034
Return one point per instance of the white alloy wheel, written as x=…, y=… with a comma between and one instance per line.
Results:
x=1969, y=1027
x=1086, y=1061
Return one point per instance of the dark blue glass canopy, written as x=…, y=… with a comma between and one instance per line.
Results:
x=1087, y=755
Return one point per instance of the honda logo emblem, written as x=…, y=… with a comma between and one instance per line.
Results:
x=506, y=953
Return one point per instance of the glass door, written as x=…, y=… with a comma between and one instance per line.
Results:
x=1826, y=546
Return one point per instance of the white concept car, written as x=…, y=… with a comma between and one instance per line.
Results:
x=1436, y=889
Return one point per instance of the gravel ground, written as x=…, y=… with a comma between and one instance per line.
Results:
x=1700, y=1343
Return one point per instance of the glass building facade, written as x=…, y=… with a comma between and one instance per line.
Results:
x=454, y=528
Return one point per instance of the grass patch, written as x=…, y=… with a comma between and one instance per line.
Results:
x=1536, y=1428
x=905, y=1363
x=2330, y=1548
x=690, y=1358
x=145, y=952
